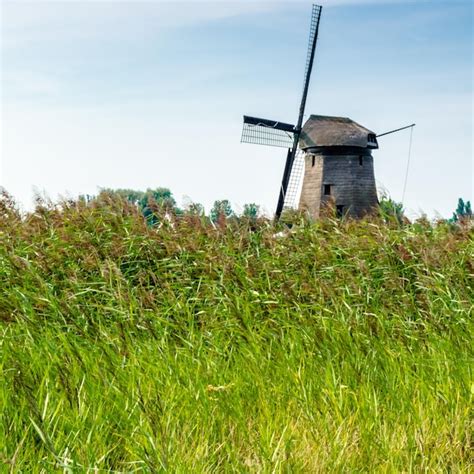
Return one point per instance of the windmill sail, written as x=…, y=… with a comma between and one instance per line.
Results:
x=295, y=182
x=313, y=38
x=267, y=132
x=273, y=133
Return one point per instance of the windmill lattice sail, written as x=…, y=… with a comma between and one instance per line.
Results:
x=295, y=182
x=273, y=133
x=313, y=32
x=260, y=131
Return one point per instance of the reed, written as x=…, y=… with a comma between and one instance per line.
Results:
x=187, y=347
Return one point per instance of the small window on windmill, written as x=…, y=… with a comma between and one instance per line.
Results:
x=327, y=189
x=361, y=160
x=313, y=160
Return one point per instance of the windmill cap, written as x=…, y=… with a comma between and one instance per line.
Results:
x=325, y=131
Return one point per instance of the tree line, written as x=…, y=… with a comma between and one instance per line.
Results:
x=162, y=198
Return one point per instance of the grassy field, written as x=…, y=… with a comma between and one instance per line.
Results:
x=341, y=347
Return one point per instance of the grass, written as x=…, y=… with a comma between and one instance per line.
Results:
x=342, y=346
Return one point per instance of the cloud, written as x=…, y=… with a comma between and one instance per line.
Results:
x=24, y=21
x=45, y=43
x=46, y=18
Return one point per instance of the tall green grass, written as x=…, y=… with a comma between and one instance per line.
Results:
x=340, y=346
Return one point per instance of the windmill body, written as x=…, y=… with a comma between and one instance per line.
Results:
x=338, y=167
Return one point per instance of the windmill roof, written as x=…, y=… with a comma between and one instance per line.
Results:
x=321, y=130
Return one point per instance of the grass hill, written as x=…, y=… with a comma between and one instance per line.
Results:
x=184, y=347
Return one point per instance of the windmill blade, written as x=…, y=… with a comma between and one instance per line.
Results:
x=290, y=160
x=295, y=182
x=313, y=38
x=267, y=132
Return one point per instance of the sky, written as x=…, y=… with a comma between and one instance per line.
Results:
x=129, y=94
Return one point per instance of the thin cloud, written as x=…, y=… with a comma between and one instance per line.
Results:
x=83, y=18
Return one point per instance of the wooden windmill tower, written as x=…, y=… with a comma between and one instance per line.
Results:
x=329, y=158
x=339, y=168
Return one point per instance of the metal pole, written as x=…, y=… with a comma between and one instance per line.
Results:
x=396, y=130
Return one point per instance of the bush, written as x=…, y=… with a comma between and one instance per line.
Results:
x=390, y=210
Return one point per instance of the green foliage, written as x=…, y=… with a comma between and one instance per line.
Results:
x=159, y=196
x=221, y=209
x=338, y=346
x=195, y=209
x=130, y=195
x=390, y=210
x=290, y=217
x=151, y=202
x=156, y=201
x=251, y=211
x=463, y=211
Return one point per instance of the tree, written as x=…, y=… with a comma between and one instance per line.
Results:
x=130, y=195
x=159, y=199
x=463, y=212
x=195, y=209
x=251, y=211
x=221, y=209
x=148, y=201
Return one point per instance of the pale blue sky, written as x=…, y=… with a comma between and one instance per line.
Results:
x=148, y=94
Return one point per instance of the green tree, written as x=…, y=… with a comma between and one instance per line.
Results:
x=195, y=209
x=159, y=199
x=149, y=202
x=463, y=211
x=251, y=211
x=221, y=209
x=130, y=195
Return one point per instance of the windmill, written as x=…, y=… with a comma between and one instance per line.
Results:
x=332, y=154
x=273, y=133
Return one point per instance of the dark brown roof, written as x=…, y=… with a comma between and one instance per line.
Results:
x=320, y=130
